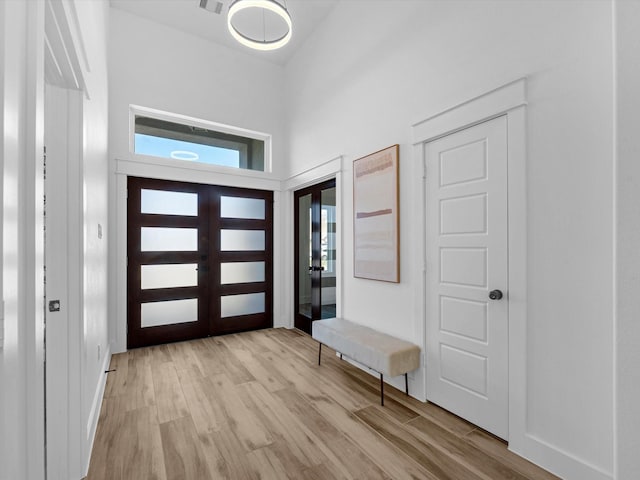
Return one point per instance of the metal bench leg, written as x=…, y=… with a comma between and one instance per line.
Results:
x=406, y=384
x=319, y=352
x=381, y=391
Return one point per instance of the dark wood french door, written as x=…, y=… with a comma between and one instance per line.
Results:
x=315, y=254
x=199, y=260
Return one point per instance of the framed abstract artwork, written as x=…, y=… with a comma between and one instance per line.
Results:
x=376, y=217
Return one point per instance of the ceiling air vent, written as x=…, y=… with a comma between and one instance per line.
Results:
x=211, y=6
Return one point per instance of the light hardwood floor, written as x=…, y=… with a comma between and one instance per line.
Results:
x=257, y=406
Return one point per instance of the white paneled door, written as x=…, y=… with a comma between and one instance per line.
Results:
x=467, y=281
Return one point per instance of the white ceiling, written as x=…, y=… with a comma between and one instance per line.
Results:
x=186, y=15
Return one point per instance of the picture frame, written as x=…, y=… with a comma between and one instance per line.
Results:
x=376, y=216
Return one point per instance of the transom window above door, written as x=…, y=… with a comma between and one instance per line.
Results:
x=183, y=139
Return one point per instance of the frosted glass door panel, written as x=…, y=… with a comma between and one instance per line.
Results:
x=154, y=314
x=241, y=240
x=164, y=202
x=169, y=276
x=239, y=207
x=241, y=272
x=163, y=239
x=247, y=304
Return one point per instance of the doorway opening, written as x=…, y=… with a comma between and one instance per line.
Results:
x=200, y=260
x=315, y=227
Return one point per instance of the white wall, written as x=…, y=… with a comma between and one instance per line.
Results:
x=93, y=20
x=628, y=238
x=158, y=67
x=368, y=74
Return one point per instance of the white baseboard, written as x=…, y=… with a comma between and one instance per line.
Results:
x=282, y=322
x=94, y=413
x=557, y=461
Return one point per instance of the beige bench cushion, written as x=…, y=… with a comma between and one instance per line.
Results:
x=381, y=352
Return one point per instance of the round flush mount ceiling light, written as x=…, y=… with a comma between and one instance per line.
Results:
x=252, y=41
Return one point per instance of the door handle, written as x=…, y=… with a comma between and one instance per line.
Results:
x=495, y=295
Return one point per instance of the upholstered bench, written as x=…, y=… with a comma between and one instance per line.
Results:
x=383, y=353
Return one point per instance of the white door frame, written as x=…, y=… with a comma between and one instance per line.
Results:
x=509, y=100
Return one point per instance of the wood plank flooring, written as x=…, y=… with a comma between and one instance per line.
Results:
x=257, y=406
